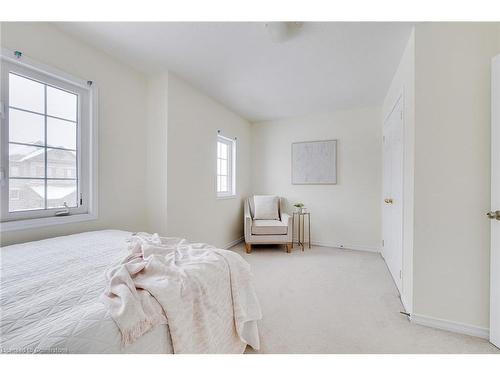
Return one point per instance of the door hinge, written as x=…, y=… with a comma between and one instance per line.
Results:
x=383, y=243
x=81, y=199
x=400, y=274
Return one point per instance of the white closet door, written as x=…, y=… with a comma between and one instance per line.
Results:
x=393, y=193
x=494, y=214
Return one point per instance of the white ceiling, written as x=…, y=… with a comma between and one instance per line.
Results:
x=323, y=67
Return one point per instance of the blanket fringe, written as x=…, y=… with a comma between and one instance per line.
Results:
x=132, y=334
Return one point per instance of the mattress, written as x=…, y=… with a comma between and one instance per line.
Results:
x=49, y=297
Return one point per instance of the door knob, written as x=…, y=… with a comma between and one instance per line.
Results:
x=493, y=215
x=388, y=200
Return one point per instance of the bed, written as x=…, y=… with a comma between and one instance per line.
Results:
x=50, y=293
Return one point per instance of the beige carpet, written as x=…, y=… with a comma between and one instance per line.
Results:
x=327, y=300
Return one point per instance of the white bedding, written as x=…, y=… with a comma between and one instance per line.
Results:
x=49, y=297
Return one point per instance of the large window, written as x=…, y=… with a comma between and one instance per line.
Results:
x=45, y=139
x=226, y=157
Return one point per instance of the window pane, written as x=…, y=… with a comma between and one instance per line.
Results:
x=61, y=163
x=60, y=191
x=26, y=127
x=223, y=151
x=223, y=167
x=223, y=183
x=26, y=194
x=61, y=103
x=26, y=161
x=61, y=133
x=26, y=94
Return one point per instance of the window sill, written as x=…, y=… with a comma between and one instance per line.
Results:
x=226, y=197
x=8, y=226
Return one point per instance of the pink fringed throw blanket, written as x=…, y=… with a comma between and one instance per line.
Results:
x=204, y=294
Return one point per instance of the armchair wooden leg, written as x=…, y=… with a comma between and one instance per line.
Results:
x=248, y=247
x=289, y=247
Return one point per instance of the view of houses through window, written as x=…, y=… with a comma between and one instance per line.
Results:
x=29, y=193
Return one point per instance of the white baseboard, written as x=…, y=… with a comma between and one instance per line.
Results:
x=451, y=326
x=314, y=243
x=349, y=247
x=232, y=243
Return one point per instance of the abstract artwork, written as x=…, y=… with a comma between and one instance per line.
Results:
x=314, y=162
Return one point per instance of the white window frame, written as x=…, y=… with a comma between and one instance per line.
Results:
x=86, y=144
x=231, y=160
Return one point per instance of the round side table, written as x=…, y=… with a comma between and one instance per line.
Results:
x=300, y=218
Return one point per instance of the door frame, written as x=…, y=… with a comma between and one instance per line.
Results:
x=400, y=98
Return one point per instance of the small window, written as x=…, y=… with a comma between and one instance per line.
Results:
x=226, y=155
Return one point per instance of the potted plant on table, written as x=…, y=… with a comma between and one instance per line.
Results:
x=300, y=207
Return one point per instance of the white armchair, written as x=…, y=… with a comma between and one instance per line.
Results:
x=266, y=231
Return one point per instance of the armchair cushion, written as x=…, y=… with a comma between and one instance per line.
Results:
x=269, y=227
x=266, y=207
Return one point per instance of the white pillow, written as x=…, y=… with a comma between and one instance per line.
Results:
x=266, y=207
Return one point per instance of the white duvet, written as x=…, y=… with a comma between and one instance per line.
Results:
x=49, y=297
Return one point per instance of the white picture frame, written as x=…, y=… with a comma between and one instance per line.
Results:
x=314, y=162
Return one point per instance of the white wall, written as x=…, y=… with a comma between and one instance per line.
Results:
x=193, y=210
x=156, y=168
x=452, y=170
x=348, y=213
x=122, y=107
x=403, y=84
